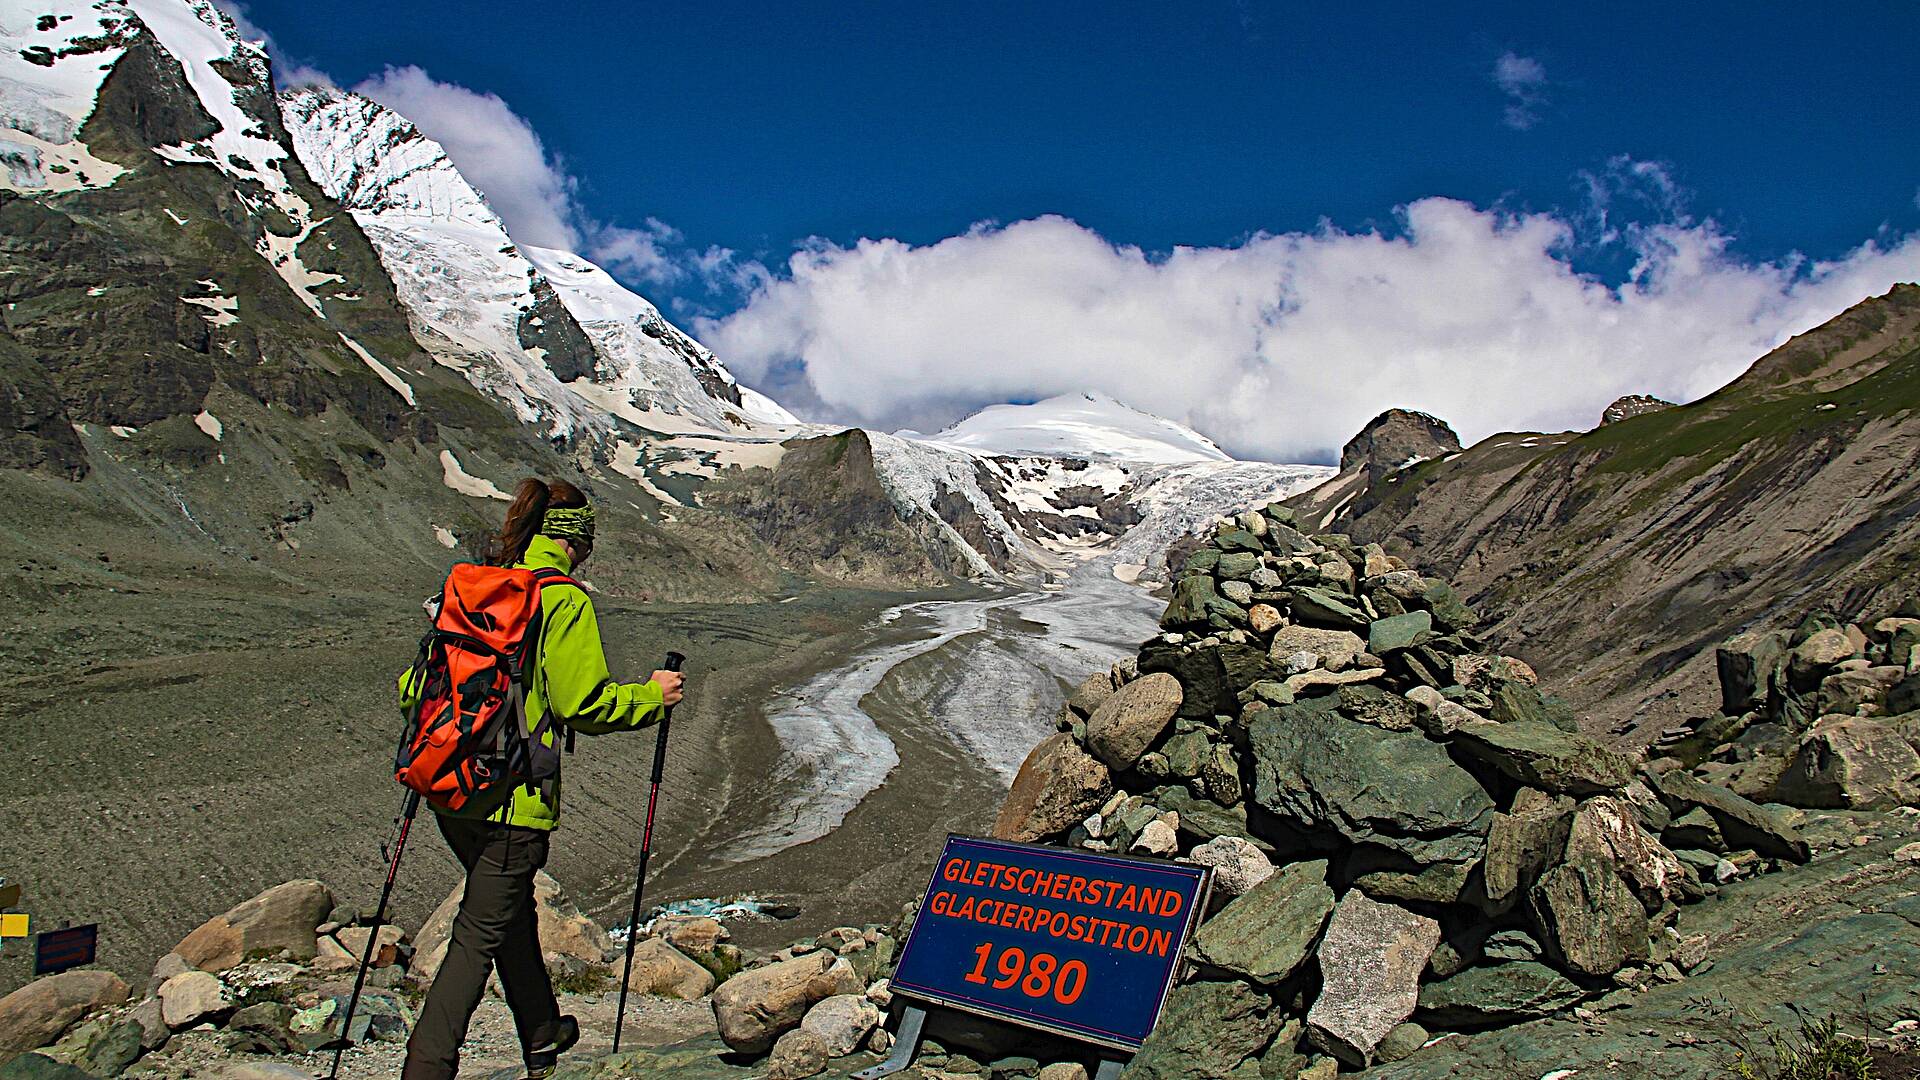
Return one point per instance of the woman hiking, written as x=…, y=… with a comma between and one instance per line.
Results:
x=502, y=840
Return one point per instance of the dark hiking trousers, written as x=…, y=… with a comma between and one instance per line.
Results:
x=495, y=928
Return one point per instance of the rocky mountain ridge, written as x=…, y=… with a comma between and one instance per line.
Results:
x=1621, y=556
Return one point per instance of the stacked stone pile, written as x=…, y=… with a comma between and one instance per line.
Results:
x=1408, y=836
x=1823, y=716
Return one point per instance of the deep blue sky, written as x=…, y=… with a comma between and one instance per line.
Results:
x=753, y=126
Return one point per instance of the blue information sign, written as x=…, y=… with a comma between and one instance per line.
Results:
x=1073, y=942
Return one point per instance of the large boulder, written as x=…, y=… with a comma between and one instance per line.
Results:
x=564, y=931
x=1481, y=997
x=659, y=968
x=41, y=1011
x=1849, y=763
x=1326, y=773
x=1540, y=755
x=796, y=1055
x=285, y=917
x=1267, y=933
x=1122, y=729
x=1744, y=823
x=757, y=1006
x=1206, y=1030
x=1370, y=965
x=1607, y=829
x=1057, y=787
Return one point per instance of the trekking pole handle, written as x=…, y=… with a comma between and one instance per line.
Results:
x=674, y=662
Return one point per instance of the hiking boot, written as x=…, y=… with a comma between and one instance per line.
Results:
x=541, y=1061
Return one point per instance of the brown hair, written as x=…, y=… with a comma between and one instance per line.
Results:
x=532, y=498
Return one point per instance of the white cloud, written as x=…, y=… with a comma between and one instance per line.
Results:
x=498, y=151
x=1283, y=346
x=1524, y=80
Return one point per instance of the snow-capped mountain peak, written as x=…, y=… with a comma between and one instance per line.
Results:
x=549, y=332
x=1079, y=426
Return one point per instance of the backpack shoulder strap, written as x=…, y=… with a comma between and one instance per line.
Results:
x=547, y=575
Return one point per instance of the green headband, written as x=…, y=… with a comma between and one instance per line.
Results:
x=573, y=523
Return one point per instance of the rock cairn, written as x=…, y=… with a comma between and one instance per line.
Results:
x=1409, y=837
x=1823, y=716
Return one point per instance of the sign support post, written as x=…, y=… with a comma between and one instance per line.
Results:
x=1074, y=943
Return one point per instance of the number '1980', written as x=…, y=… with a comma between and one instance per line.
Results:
x=1038, y=976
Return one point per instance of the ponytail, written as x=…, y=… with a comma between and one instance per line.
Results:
x=532, y=498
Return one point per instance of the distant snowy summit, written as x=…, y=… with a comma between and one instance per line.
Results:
x=1091, y=426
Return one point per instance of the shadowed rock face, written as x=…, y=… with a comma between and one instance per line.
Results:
x=1618, y=558
x=1632, y=405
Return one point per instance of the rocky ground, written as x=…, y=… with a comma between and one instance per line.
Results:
x=1422, y=870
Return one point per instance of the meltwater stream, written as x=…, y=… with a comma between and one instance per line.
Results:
x=986, y=677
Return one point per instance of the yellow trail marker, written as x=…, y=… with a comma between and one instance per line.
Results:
x=13, y=926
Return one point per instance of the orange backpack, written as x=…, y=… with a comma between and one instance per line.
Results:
x=468, y=732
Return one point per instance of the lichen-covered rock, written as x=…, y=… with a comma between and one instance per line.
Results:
x=1268, y=932
x=1206, y=1030
x=1501, y=994
x=1743, y=822
x=1521, y=841
x=1397, y=789
x=1540, y=755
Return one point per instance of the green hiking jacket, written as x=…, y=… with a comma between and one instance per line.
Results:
x=570, y=678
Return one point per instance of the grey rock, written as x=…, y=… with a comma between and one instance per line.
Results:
x=194, y=996
x=286, y=917
x=1238, y=592
x=1335, y=649
x=1370, y=963
x=1237, y=864
x=1237, y=566
x=1267, y=933
x=796, y=1054
x=841, y=1022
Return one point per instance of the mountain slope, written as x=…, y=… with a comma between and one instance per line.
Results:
x=1626, y=553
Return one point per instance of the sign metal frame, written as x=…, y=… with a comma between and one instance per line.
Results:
x=909, y=1032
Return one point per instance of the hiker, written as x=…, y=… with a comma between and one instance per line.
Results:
x=501, y=840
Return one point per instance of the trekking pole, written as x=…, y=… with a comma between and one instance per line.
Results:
x=674, y=660
x=373, y=935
